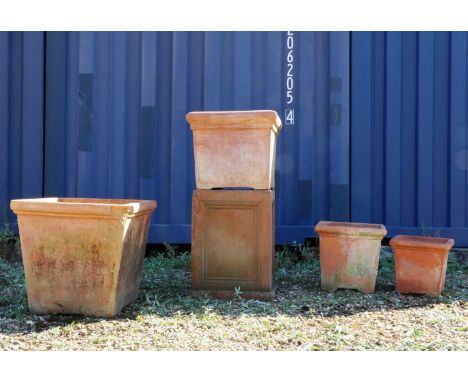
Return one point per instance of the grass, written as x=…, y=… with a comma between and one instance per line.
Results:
x=13, y=301
x=301, y=317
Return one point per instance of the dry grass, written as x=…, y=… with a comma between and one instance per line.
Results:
x=302, y=317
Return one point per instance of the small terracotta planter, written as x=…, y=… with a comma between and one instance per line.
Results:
x=349, y=255
x=235, y=148
x=420, y=263
x=82, y=256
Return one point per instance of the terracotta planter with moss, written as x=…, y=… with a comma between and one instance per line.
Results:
x=420, y=263
x=82, y=256
x=349, y=255
x=235, y=148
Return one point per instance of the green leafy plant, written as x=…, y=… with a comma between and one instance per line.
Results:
x=9, y=244
x=7, y=236
x=9, y=241
x=13, y=303
x=238, y=292
x=171, y=250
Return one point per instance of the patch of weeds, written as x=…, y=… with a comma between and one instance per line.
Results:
x=13, y=300
x=417, y=333
x=296, y=262
x=238, y=292
x=456, y=276
x=454, y=265
x=417, y=340
x=315, y=348
x=261, y=307
x=291, y=254
x=9, y=245
x=99, y=340
x=183, y=260
x=281, y=273
x=430, y=232
x=386, y=272
x=165, y=272
x=7, y=235
x=170, y=260
x=155, y=304
x=336, y=334
x=70, y=327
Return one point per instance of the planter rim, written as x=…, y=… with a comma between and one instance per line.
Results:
x=350, y=229
x=83, y=206
x=422, y=242
x=245, y=119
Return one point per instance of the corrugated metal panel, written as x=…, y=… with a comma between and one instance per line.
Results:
x=116, y=105
x=409, y=141
x=21, y=118
x=115, y=122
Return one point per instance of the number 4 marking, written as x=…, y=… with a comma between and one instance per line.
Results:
x=289, y=116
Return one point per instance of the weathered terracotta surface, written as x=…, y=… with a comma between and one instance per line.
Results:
x=349, y=255
x=420, y=263
x=235, y=149
x=233, y=243
x=82, y=256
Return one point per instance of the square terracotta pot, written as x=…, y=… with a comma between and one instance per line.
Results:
x=420, y=263
x=82, y=256
x=349, y=255
x=235, y=148
x=233, y=243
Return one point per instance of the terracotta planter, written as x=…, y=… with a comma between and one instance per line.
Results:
x=349, y=255
x=235, y=149
x=82, y=256
x=420, y=263
x=233, y=243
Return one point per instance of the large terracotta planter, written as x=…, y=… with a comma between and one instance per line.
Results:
x=234, y=149
x=82, y=256
x=349, y=255
x=420, y=263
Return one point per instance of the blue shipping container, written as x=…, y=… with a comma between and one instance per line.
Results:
x=21, y=118
x=106, y=112
x=409, y=161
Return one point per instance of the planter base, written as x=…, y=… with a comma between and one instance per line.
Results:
x=331, y=287
x=233, y=242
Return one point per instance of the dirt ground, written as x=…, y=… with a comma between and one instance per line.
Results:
x=301, y=317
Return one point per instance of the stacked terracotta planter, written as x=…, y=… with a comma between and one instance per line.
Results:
x=233, y=205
